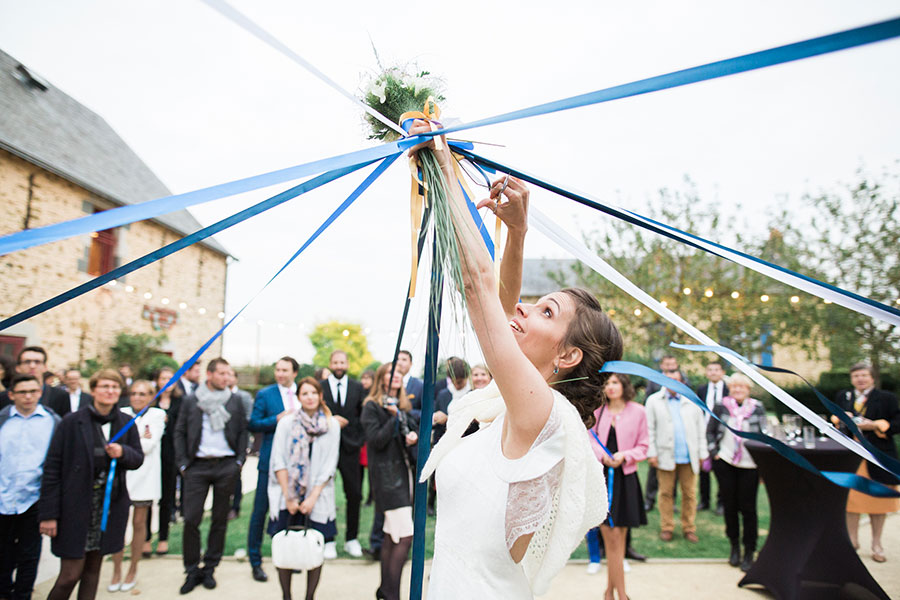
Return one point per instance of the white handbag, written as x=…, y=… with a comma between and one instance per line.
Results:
x=298, y=549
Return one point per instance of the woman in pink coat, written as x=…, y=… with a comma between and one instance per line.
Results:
x=619, y=438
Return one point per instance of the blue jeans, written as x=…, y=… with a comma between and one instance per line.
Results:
x=258, y=519
x=593, y=544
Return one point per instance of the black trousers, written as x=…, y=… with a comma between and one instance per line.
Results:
x=351, y=477
x=704, y=487
x=218, y=473
x=738, y=489
x=167, y=500
x=20, y=551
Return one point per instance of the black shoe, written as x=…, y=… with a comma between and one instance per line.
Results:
x=632, y=554
x=373, y=555
x=720, y=510
x=735, y=558
x=259, y=574
x=703, y=506
x=430, y=511
x=208, y=580
x=379, y=595
x=648, y=505
x=192, y=580
x=748, y=560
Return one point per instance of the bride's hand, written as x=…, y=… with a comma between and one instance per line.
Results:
x=513, y=212
x=443, y=155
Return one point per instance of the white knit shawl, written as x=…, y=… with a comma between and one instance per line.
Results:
x=580, y=503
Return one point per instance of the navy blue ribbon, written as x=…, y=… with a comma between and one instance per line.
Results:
x=757, y=60
x=668, y=231
x=845, y=480
x=385, y=163
x=179, y=244
x=890, y=464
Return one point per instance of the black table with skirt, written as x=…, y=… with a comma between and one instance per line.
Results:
x=808, y=554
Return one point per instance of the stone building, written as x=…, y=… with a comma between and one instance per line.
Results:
x=60, y=161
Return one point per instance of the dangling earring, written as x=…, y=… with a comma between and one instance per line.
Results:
x=555, y=369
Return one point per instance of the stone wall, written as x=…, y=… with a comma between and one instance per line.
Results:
x=190, y=282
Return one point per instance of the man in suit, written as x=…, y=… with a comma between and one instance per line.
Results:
x=712, y=393
x=32, y=360
x=247, y=401
x=78, y=398
x=344, y=397
x=189, y=381
x=413, y=385
x=210, y=446
x=271, y=404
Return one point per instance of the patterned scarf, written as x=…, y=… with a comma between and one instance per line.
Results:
x=303, y=429
x=739, y=412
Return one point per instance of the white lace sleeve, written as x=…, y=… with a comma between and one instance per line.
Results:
x=530, y=502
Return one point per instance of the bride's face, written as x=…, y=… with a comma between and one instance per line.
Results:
x=540, y=329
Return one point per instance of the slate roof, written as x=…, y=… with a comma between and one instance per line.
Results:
x=536, y=281
x=41, y=124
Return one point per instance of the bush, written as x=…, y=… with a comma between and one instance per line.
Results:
x=157, y=362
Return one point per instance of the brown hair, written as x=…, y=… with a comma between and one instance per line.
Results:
x=628, y=393
x=109, y=375
x=378, y=393
x=861, y=366
x=593, y=332
x=318, y=387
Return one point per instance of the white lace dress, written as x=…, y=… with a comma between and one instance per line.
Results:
x=485, y=502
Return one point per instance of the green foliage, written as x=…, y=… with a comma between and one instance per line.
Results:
x=156, y=363
x=306, y=370
x=396, y=91
x=91, y=366
x=328, y=337
x=140, y=350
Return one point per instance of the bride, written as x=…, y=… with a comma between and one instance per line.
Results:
x=516, y=498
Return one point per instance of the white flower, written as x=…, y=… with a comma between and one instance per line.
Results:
x=377, y=89
x=408, y=81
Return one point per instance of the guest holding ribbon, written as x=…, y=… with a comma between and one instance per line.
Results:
x=302, y=464
x=620, y=440
x=145, y=483
x=169, y=402
x=877, y=416
x=735, y=470
x=75, y=483
x=519, y=495
x=391, y=436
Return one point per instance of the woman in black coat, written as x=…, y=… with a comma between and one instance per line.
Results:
x=74, y=484
x=391, y=437
x=877, y=416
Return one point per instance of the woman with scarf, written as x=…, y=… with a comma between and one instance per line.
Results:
x=74, y=485
x=301, y=474
x=391, y=437
x=735, y=470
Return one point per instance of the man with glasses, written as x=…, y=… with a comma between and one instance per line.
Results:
x=32, y=360
x=25, y=431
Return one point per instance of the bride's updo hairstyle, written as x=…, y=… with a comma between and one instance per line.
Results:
x=593, y=332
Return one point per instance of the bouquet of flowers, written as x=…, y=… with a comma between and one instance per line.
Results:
x=402, y=94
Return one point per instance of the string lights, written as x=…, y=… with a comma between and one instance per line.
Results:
x=165, y=301
x=709, y=293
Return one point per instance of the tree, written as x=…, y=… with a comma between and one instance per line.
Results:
x=854, y=241
x=142, y=351
x=737, y=307
x=349, y=337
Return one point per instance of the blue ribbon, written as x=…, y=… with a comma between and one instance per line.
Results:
x=890, y=464
x=179, y=244
x=845, y=480
x=385, y=163
x=128, y=214
x=891, y=313
x=611, y=473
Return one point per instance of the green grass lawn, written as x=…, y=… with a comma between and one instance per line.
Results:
x=710, y=529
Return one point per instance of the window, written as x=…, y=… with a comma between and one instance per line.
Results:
x=102, y=254
x=11, y=345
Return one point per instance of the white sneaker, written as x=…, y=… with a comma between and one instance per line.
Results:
x=626, y=566
x=330, y=552
x=114, y=587
x=593, y=568
x=353, y=548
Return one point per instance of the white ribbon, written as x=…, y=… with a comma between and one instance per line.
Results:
x=557, y=234
x=244, y=22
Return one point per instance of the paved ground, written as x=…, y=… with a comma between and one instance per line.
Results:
x=672, y=579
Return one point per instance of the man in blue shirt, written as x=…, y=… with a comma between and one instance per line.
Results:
x=677, y=436
x=25, y=431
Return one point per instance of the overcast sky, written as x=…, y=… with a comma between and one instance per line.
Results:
x=202, y=102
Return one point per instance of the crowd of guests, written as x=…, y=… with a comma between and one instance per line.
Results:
x=58, y=444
